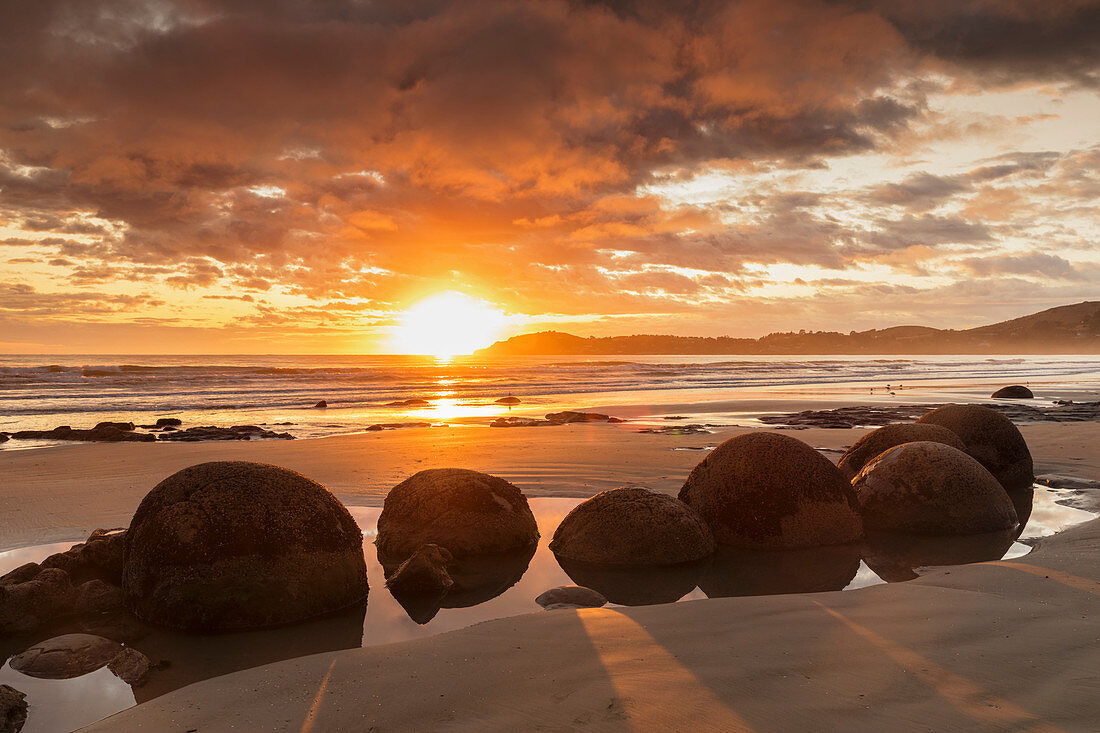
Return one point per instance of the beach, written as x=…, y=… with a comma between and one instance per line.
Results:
x=990, y=646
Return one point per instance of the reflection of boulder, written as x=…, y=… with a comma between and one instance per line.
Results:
x=991, y=438
x=467, y=512
x=894, y=555
x=769, y=492
x=636, y=585
x=934, y=488
x=735, y=571
x=235, y=545
x=477, y=578
x=191, y=658
x=633, y=526
x=883, y=439
x=1022, y=501
x=424, y=573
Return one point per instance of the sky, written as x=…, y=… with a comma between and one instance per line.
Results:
x=281, y=176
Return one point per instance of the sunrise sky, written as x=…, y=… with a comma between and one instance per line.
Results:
x=278, y=176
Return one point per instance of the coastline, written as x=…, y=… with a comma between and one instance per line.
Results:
x=64, y=492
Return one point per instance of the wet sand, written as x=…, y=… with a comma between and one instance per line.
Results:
x=991, y=647
x=64, y=492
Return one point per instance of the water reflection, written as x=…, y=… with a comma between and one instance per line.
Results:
x=477, y=580
x=895, y=556
x=489, y=588
x=738, y=572
x=636, y=586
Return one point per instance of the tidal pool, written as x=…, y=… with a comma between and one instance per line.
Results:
x=499, y=587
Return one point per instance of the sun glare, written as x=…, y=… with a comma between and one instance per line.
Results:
x=445, y=325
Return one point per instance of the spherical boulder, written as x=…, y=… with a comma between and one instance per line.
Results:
x=931, y=488
x=1013, y=392
x=886, y=437
x=236, y=545
x=632, y=526
x=990, y=437
x=769, y=491
x=466, y=512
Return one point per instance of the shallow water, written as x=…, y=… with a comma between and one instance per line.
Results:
x=42, y=392
x=506, y=586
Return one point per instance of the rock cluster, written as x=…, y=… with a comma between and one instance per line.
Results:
x=82, y=580
x=553, y=418
x=103, y=432
x=213, y=432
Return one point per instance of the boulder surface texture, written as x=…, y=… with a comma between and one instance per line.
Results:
x=769, y=491
x=932, y=488
x=990, y=437
x=466, y=512
x=237, y=545
x=633, y=526
x=886, y=437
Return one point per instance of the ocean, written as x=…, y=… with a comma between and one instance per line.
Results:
x=279, y=392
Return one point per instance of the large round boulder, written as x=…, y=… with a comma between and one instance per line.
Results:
x=466, y=512
x=886, y=437
x=632, y=526
x=236, y=545
x=1013, y=392
x=931, y=488
x=769, y=491
x=990, y=437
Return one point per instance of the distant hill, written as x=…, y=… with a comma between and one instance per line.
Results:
x=1067, y=329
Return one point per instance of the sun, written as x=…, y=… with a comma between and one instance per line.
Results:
x=447, y=324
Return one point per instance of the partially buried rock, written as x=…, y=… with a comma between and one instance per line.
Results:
x=467, y=512
x=424, y=573
x=126, y=426
x=571, y=416
x=769, y=491
x=168, y=422
x=13, y=709
x=1013, y=392
x=24, y=606
x=99, y=557
x=570, y=596
x=65, y=657
x=990, y=437
x=130, y=666
x=237, y=545
x=4, y=438
x=632, y=526
x=886, y=437
x=931, y=488
x=509, y=400
x=321, y=404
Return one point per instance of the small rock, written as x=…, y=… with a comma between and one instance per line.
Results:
x=1013, y=392
x=320, y=404
x=13, y=709
x=518, y=422
x=409, y=403
x=65, y=657
x=164, y=422
x=130, y=666
x=4, y=438
x=126, y=426
x=570, y=596
x=570, y=416
x=424, y=573
x=509, y=400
